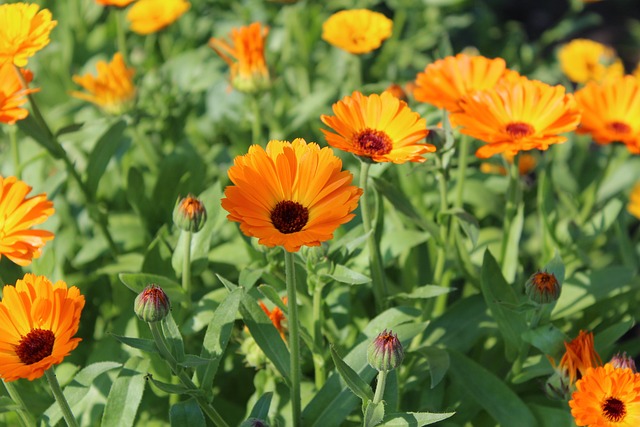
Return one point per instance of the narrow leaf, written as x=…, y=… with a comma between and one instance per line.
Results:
x=374, y=414
x=356, y=384
x=187, y=413
x=138, y=281
x=261, y=409
x=108, y=144
x=414, y=419
x=174, y=338
x=125, y=394
x=344, y=274
x=140, y=343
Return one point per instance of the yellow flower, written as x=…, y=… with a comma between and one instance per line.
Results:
x=583, y=60
x=517, y=115
x=380, y=128
x=149, y=16
x=17, y=215
x=245, y=56
x=37, y=322
x=302, y=197
x=24, y=30
x=12, y=94
x=634, y=201
x=357, y=31
x=116, y=3
x=112, y=89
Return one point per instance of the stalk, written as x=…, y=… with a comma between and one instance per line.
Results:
x=380, y=386
x=294, y=338
x=318, y=321
x=59, y=395
x=256, y=124
x=186, y=267
x=26, y=419
x=514, y=196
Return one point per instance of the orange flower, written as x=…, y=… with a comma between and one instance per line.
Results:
x=583, y=60
x=116, y=3
x=607, y=397
x=380, y=128
x=634, y=201
x=357, y=31
x=37, y=322
x=19, y=214
x=578, y=357
x=277, y=316
x=12, y=94
x=23, y=31
x=445, y=82
x=245, y=56
x=611, y=111
x=397, y=91
x=517, y=115
x=303, y=195
x=526, y=164
x=149, y=16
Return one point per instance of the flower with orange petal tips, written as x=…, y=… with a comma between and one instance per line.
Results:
x=445, y=82
x=634, y=201
x=24, y=30
x=17, y=241
x=12, y=93
x=611, y=111
x=37, y=322
x=277, y=316
x=303, y=196
x=584, y=60
x=245, y=56
x=357, y=31
x=150, y=16
x=112, y=89
x=607, y=397
x=580, y=355
x=380, y=128
x=116, y=3
x=517, y=115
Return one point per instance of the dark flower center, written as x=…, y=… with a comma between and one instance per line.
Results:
x=613, y=409
x=519, y=130
x=373, y=142
x=289, y=216
x=619, y=127
x=35, y=346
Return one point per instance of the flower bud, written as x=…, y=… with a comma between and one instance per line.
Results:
x=542, y=288
x=254, y=422
x=189, y=214
x=152, y=304
x=622, y=361
x=385, y=353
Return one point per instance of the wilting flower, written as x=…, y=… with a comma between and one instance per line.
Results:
x=24, y=30
x=12, y=93
x=580, y=355
x=152, y=304
x=583, y=60
x=116, y=3
x=385, y=352
x=18, y=213
x=526, y=164
x=607, y=397
x=245, y=56
x=189, y=214
x=37, y=322
x=517, y=115
x=542, y=287
x=149, y=16
x=357, y=31
x=622, y=361
x=292, y=194
x=112, y=89
x=277, y=316
x=611, y=111
x=380, y=128
x=445, y=82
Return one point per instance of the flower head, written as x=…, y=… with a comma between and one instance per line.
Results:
x=385, y=352
x=12, y=93
x=622, y=361
x=112, y=89
x=302, y=197
x=277, y=316
x=580, y=355
x=634, y=201
x=152, y=304
x=37, y=322
x=542, y=287
x=380, y=128
x=150, y=16
x=116, y=3
x=607, y=397
x=357, y=31
x=517, y=115
x=18, y=213
x=24, y=30
x=245, y=56
x=189, y=214
x=584, y=60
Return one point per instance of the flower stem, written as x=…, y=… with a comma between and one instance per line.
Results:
x=15, y=151
x=256, y=124
x=294, y=338
x=59, y=395
x=186, y=268
x=318, y=320
x=25, y=417
x=121, y=38
x=463, y=157
x=382, y=382
x=514, y=196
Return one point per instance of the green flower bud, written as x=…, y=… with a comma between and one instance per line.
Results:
x=385, y=353
x=254, y=422
x=152, y=304
x=189, y=214
x=542, y=288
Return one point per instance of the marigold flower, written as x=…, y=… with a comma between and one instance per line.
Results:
x=12, y=93
x=517, y=115
x=623, y=361
x=24, y=30
x=149, y=16
x=357, y=31
x=152, y=304
x=607, y=397
x=189, y=214
x=634, y=201
x=380, y=128
x=17, y=241
x=580, y=355
x=542, y=287
x=303, y=196
x=37, y=322
x=385, y=352
x=277, y=316
x=116, y=3
x=245, y=56
x=583, y=60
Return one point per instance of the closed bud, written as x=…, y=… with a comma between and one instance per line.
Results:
x=189, y=214
x=622, y=361
x=385, y=353
x=542, y=288
x=152, y=304
x=254, y=422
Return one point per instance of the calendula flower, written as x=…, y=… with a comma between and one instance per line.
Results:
x=445, y=82
x=149, y=16
x=583, y=60
x=18, y=241
x=302, y=197
x=380, y=128
x=189, y=214
x=517, y=115
x=542, y=287
x=277, y=316
x=116, y=3
x=112, y=89
x=607, y=397
x=634, y=201
x=385, y=352
x=357, y=31
x=13, y=94
x=623, y=361
x=580, y=355
x=37, y=322
x=24, y=30
x=245, y=56
x=611, y=111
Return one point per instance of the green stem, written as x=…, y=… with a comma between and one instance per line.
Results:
x=211, y=412
x=121, y=36
x=13, y=140
x=59, y=395
x=186, y=268
x=318, y=340
x=513, y=200
x=25, y=417
x=377, y=272
x=163, y=349
x=463, y=157
x=294, y=338
x=256, y=124
x=592, y=190
x=380, y=386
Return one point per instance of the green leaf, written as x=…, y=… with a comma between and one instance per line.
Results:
x=556, y=267
x=108, y=144
x=414, y=419
x=374, y=414
x=261, y=409
x=8, y=405
x=140, y=343
x=605, y=340
x=193, y=361
x=602, y=220
x=344, y=274
x=30, y=126
x=547, y=338
x=187, y=413
x=468, y=222
x=423, y=292
x=172, y=388
x=510, y=262
x=138, y=281
x=125, y=394
x=438, y=360
x=248, y=278
x=272, y=295
x=356, y=384
x=173, y=337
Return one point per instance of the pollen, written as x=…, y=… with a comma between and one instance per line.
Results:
x=372, y=141
x=35, y=346
x=289, y=216
x=613, y=409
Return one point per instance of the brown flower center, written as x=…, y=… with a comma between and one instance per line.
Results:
x=35, y=346
x=289, y=216
x=517, y=130
x=373, y=142
x=619, y=127
x=613, y=409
